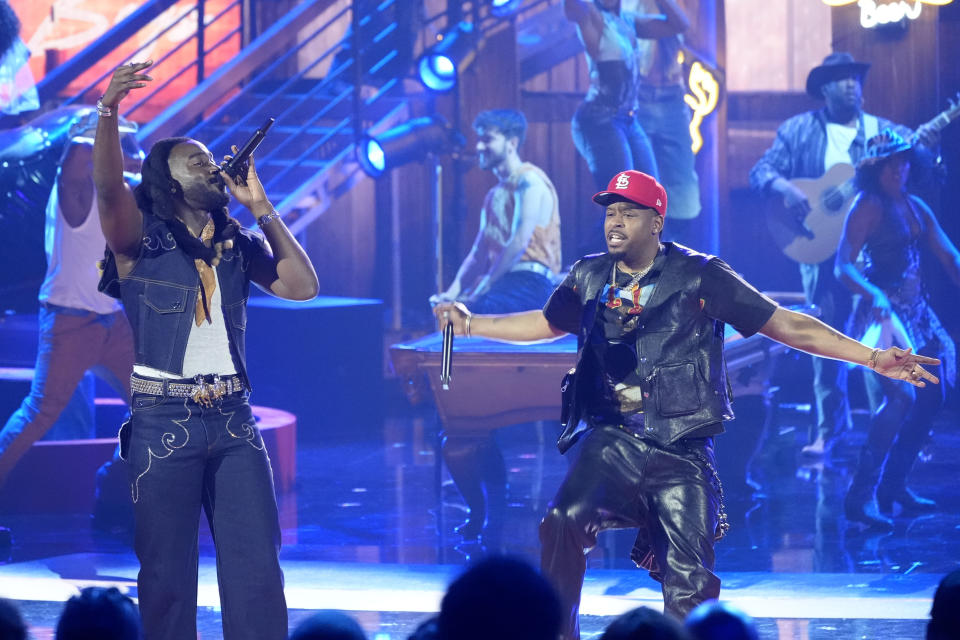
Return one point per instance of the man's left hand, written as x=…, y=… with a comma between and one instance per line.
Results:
x=928, y=136
x=901, y=364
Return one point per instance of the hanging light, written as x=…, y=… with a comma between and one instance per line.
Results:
x=441, y=64
x=407, y=142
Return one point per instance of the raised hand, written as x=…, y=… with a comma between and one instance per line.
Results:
x=901, y=364
x=125, y=78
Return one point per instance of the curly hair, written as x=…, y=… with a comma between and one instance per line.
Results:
x=9, y=27
x=157, y=194
x=868, y=173
x=507, y=121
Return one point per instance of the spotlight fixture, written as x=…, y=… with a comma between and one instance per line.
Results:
x=407, y=142
x=441, y=64
x=503, y=8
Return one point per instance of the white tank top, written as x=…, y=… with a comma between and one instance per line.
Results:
x=72, y=256
x=208, y=347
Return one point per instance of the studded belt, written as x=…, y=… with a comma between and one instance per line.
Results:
x=201, y=389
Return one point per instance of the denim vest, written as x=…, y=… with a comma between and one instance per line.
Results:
x=679, y=351
x=159, y=297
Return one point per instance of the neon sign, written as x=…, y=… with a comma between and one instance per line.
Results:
x=873, y=13
x=702, y=99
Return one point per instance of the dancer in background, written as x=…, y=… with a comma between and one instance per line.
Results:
x=807, y=146
x=893, y=229
x=512, y=266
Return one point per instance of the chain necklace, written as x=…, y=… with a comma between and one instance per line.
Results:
x=614, y=301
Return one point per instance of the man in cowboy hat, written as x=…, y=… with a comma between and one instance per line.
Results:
x=650, y=392
x=807, y=146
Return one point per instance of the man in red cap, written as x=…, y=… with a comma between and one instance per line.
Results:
x=650, y=392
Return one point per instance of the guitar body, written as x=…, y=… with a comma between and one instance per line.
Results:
x=813, y=238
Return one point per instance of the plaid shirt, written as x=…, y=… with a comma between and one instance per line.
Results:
x=800, y=147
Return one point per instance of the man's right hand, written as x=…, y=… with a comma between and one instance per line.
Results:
x=794, y=199
x=125, y=77
x=455, y=312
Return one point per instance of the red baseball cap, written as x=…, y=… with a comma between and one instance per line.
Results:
x=636, y=187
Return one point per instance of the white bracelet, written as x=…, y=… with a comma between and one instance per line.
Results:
x=103, y=110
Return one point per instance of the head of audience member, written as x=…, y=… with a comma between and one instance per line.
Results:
x=715, y=620
x=499, y=597
x=426, y=630
x=9, y=27
x=500, y=132
x=12, y=626
x=945, y=614
x=99, y=614
x=329, y=625
x=643, y=623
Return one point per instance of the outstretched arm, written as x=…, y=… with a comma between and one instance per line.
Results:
x=524, y=327
x=120, y=218
x=806, y=333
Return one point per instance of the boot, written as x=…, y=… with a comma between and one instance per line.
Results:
x=893, y=484
x=860, y=504
x=910, y=503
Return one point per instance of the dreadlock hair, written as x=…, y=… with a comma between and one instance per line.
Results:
x=156, y=194
x=9, y=27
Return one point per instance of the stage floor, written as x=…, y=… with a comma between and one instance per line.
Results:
x=368, y=523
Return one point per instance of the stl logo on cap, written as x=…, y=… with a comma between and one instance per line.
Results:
x=623, y=181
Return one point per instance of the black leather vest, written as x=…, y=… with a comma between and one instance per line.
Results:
x=679, y=350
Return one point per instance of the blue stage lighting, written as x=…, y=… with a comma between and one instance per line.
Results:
x=374, y=155
x=440, y=65
x=503, y=8
x=407, y=142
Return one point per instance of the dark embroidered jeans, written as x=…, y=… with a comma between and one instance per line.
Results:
x=184, y=457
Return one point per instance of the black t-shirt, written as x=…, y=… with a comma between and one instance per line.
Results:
x=724, y=296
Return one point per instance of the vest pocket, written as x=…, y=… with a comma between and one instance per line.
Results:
x=163, y=298
x=236, y=314
x=677, y=389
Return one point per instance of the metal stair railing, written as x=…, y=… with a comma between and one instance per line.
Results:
x=128, y=28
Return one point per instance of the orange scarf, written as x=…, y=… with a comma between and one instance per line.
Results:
x=208, y=279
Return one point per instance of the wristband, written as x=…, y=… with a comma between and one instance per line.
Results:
x=103, y=110
x=264, y=220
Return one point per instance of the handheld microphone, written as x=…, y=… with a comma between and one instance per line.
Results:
x=237, y=166
x=446, y=358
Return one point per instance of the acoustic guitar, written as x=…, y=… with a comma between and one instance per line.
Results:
x=813, y=237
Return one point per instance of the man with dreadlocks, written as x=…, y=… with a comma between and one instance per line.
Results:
x=183, y=267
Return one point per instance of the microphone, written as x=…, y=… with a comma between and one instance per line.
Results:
x=236, y=167
x=446, y=358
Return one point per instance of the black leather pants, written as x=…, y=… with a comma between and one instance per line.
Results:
x=619, y=481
